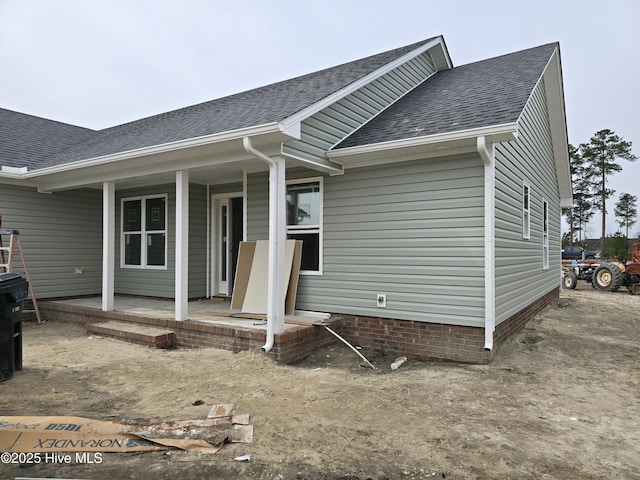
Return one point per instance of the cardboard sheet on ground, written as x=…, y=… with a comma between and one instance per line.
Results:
x=76, y=434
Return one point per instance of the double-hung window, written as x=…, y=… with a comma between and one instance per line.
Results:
x=545, y=235
x=304, y=221
x=144, y=232
x=526, y=210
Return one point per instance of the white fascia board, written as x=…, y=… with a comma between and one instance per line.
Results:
x=334, y=97
x=12, y=176
x=269, y=128
x=496, y=133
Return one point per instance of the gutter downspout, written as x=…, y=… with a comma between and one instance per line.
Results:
x=277, y=237
x=487, y=153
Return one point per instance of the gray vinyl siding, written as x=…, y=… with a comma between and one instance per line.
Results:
x=147, y=282
x=59, y=232
x=327, y=127
x=258, y=206
x=161, y=282
x=197, y=241
x=520, y=277
x=413, y=231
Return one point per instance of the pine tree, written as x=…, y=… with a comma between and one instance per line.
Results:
x=600, y=154
x=583, y=207
x=626, y=211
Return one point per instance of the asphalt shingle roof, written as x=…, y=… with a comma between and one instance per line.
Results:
x=485, y=93
x=489, y=92
x=271, y=103
x=28, y=141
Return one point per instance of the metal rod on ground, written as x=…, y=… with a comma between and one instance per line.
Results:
x=350, y=346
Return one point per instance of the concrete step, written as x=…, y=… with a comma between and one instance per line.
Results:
x=140, y=334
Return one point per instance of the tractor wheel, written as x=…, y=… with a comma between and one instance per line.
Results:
x=569, y=280
x=607, y=277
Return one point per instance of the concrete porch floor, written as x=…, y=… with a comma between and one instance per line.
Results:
x=210, y=323
x=210, y=311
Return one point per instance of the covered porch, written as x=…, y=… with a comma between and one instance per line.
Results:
x=209, y=323
x=170, y=245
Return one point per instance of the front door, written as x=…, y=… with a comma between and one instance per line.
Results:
x=228, y=234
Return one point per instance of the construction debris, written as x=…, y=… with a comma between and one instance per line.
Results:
x=398, y=363
x=24, y=434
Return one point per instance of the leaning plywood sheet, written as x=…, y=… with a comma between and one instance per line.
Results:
x=255, y=299
x=292, y=290
x=243, y=271
x=252, y=280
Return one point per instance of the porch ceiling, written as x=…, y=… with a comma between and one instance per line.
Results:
x=212, y=164
x=206, y=163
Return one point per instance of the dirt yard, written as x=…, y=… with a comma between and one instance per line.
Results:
x=560, y=401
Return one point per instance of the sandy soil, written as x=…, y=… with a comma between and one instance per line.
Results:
x=561, y=401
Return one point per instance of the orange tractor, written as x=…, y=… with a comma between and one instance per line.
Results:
x=612, y=275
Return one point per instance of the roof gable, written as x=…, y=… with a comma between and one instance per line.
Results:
x=330, y=121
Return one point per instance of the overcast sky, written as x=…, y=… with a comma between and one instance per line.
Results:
x=101, y=63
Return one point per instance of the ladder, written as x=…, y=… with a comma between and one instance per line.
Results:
x=14, y=240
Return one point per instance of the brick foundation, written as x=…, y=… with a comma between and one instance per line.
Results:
x=516, y=323
x=432, y=341
x=417, y=340
x=291, y=346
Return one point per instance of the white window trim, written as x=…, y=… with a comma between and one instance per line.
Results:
x=143, y=252
x=312, y=228
x=526, y=210
x=545, y=234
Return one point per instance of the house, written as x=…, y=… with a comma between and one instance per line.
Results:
x=427, y=197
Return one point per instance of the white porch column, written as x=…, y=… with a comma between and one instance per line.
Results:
x=108, y=244
x=182, y=245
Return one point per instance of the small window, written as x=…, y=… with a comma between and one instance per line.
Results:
x=304, y=221
x=545, y=235
x=144, y=232
x=526, y=211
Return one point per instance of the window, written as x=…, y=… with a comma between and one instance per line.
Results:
x=526, y=210
x=144, y=232
x=545, y=235
x=304, y=221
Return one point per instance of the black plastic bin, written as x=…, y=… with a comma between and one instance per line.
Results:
x=13, y=291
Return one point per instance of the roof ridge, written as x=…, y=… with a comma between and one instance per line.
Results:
x=518, y=52
x=266, y=104
x=39, y=118
x=405, y=48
